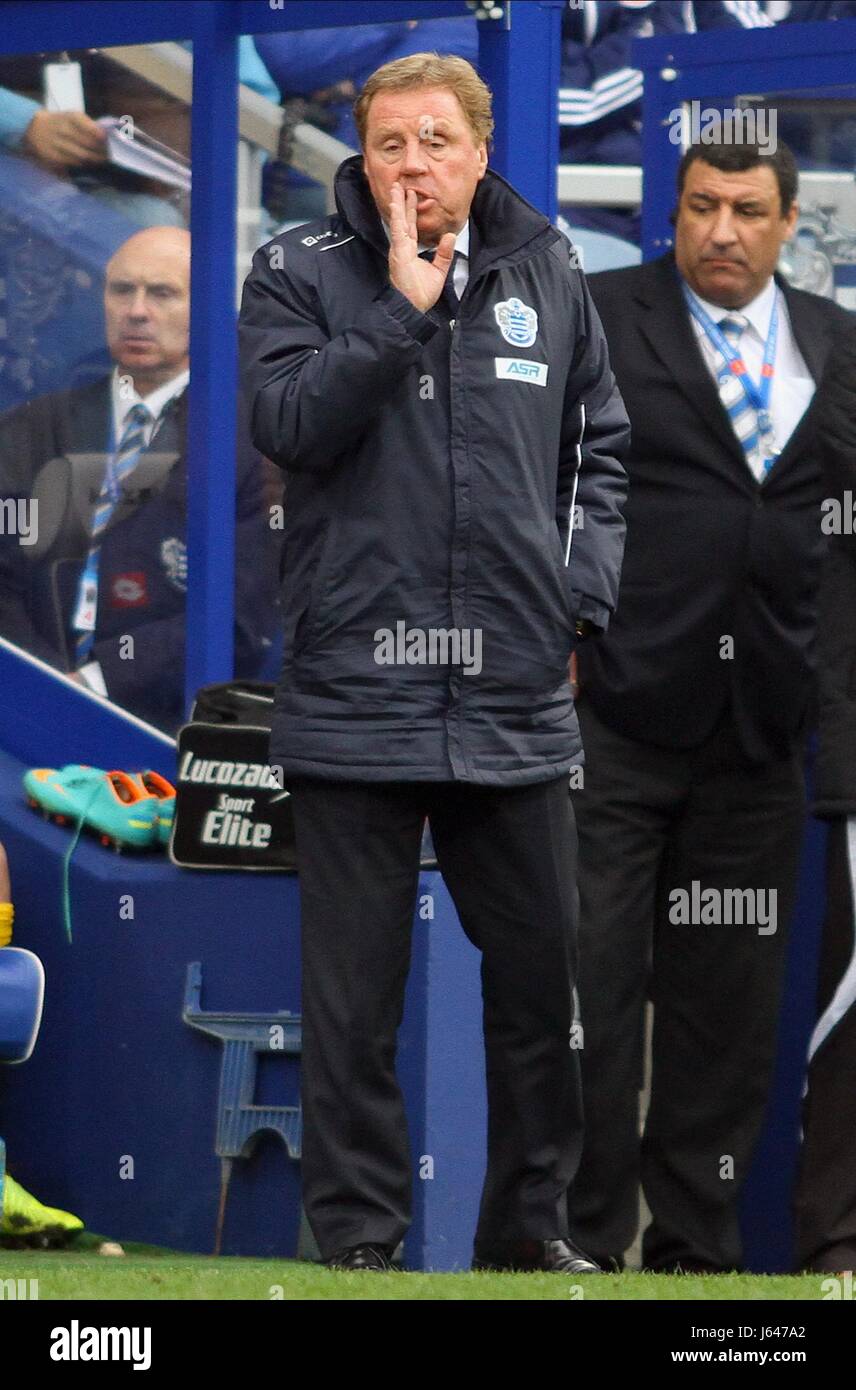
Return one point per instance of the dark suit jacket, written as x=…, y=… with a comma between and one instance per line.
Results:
x=835, y=770
x=710, y=552
x=53, y=449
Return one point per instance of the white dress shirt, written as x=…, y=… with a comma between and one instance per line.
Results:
x=461, y=270
x=124, y=398
x=793, y=385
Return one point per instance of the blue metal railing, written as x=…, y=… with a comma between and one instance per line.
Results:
x=724, y=63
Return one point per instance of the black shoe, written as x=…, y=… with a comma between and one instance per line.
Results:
x=557, y=1256
x=362, y=1257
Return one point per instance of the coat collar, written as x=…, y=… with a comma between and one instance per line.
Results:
x=503, y=227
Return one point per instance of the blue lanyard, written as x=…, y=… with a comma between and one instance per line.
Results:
x=758, y=396
x=87, y=585
x=110, y=482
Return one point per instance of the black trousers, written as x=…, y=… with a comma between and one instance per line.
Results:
x=652, y=821
x=508, y=858
x=826, y=1186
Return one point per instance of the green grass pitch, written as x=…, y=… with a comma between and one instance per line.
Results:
x=67, y=1275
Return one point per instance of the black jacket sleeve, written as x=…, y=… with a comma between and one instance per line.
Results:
x=835, y=767
x=308, y=394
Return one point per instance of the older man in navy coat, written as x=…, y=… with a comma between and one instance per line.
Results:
x=437, y=421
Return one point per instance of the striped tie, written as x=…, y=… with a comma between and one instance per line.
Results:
x=124, y=460
x=741, y=412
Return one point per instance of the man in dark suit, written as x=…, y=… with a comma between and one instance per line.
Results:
x=96, y=585
x=694, y=709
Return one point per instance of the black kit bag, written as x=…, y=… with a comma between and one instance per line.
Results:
x=231, y=811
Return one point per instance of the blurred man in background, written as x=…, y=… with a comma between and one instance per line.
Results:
x=104, y=468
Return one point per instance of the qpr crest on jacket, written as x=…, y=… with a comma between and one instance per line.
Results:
x=174, y=560
x=517, y=323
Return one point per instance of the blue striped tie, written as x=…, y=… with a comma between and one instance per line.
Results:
x=124, y=460
x=741, y=412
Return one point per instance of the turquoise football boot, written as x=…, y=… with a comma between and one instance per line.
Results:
x=61, y=793
x=158, y=786
x=120, y=811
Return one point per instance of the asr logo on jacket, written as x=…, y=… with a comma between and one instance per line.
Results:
x=521, y=369
x=518, y=324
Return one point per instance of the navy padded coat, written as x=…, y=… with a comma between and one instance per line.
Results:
x=431, y=469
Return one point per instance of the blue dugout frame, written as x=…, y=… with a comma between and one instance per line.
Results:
x=719, y=65
x=519, y=57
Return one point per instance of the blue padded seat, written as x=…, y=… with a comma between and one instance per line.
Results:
x=22, y=992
